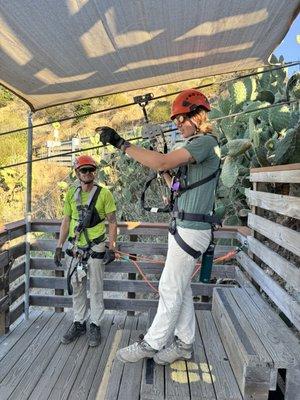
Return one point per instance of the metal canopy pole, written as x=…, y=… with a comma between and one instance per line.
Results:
x=28, y=212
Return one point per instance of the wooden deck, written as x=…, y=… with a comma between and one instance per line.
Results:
x=35, y=365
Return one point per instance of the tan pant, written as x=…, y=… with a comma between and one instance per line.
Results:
x=95, y=271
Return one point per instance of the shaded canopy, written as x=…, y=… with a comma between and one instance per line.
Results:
x=58, y=51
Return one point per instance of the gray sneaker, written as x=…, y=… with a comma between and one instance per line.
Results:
x=136, y=351
x=178, y=350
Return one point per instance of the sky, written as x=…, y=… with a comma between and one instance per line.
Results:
x=290, y=47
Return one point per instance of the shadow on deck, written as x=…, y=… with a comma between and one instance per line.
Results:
x=35, y=365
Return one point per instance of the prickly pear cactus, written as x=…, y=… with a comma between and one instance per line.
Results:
x=285, y=147
x=230, y=172
x=279, y=117
x=260, y=137
x=238, y=146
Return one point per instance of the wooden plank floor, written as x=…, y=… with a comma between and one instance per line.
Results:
x=35, y=365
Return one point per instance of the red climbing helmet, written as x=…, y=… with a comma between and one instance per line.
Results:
x=84, y=160
x=187, y=101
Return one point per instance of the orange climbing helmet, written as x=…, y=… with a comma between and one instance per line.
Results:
x=187, y=101
x=84, y=160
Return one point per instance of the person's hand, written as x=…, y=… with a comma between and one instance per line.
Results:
x=109, y=256
x=58, y=256
x=109, y=135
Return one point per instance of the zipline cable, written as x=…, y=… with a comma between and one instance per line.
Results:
x=291, y=64
x=140, y=137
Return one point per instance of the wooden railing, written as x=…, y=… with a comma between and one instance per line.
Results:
x=12, y=267
x=133, y=234
x=274, y=249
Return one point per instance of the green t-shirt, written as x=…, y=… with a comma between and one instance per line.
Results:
x=105, y=204
x=206, y=153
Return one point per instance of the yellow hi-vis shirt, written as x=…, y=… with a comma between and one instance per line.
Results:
x=105, y=204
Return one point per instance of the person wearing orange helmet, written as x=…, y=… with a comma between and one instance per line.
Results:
x=85, y=210
x=193, y=187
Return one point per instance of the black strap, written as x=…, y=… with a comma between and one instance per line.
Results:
x=201, y=182
x=165, y=209
x=184, y=216
x=97, y=254
x=185, y=247
x=85, y=223
x=92, y=242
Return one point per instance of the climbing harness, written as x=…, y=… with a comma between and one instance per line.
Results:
x=88, y=217
x=178, y=187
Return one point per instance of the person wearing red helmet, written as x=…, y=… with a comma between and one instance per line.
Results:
x=193, y=186
x=86, y=207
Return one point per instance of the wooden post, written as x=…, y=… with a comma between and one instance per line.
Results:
x=59, y=292
x=131, y=275
x=28, y=210
x=4, y=298
x=257, y=186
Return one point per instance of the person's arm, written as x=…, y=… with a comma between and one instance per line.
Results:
x=159, y=161
x=112, y=230
x=64, y=231
x=63, y=234
x=149, y=158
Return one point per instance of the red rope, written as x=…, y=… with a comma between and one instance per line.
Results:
x=134, y=258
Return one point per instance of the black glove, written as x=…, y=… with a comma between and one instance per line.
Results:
x=109, y=256
x=109, y=135
x=58, y=256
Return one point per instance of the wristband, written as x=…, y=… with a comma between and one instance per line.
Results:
x=125, y=146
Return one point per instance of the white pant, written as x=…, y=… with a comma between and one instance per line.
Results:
x=175, y=314
x=95, y=271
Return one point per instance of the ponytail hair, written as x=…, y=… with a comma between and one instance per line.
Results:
x=200, y=119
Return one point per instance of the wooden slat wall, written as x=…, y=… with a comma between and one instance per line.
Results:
x=285, y=237
x=110, y=304
x=277, y=294
x=146, y=249
x=16, y=230
x=218, y=270
x=9, y=297
x=113, y=285
x=288, y=271
x=285, y=205
x=278, y=174
x=132, y=228
x=289, y=239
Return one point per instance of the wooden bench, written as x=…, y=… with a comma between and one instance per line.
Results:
x=257, y=342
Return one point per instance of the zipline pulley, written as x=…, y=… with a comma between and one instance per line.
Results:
x=143, y=100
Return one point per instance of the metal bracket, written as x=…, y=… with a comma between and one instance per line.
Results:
x=143, y=100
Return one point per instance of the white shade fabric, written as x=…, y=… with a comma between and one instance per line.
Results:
x=58, y=51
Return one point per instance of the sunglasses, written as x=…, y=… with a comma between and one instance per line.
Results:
x=87, y=170
x=180, y=119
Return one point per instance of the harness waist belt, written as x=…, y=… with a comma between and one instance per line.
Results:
x=92, y=242
x=184, y=216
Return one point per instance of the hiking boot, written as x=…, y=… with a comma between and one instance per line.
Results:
x=136, y=351
x=95, y=335
x=77, y=329
x=178, y=350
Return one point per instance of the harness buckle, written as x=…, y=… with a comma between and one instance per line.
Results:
x=172, y=226
x=181, y=215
